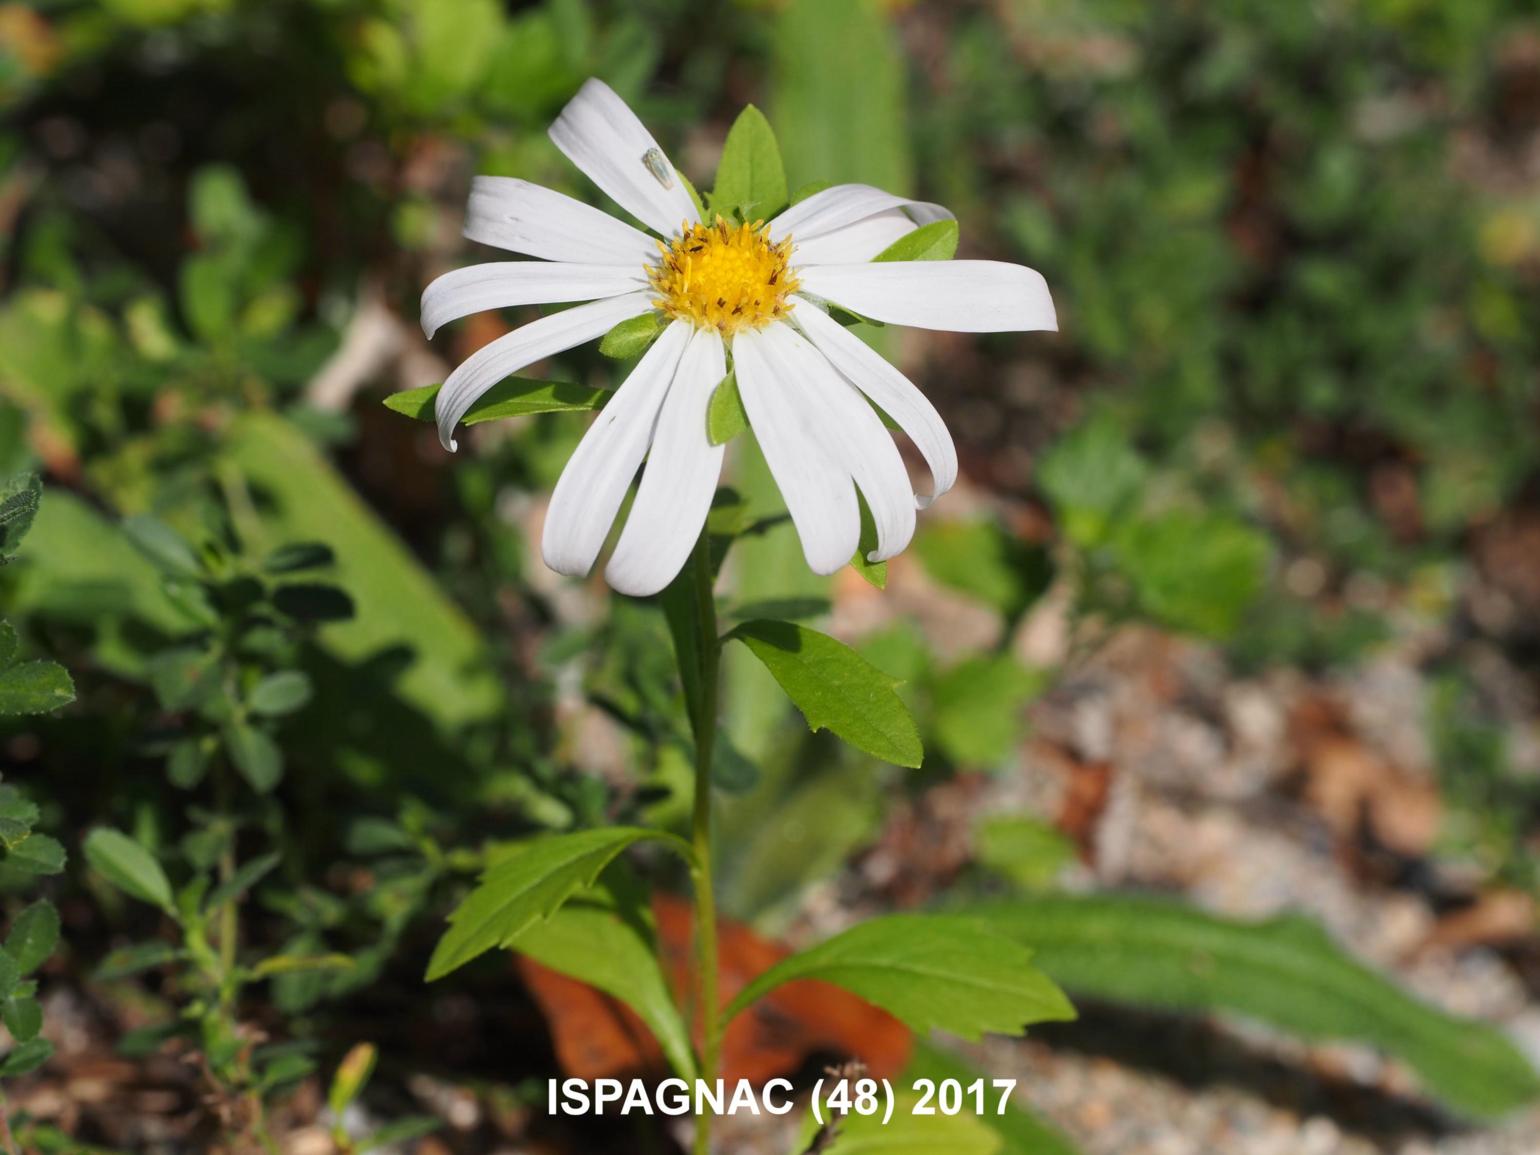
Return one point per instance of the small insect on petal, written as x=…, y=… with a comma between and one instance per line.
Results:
x=658, y=165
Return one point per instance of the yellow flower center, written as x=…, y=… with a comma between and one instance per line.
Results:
x=722, y=278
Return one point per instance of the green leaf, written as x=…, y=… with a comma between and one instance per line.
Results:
x=399, y=605
x=314, y=602
x=905, y=1134
x=400, y=1131
x=184, y=677
x=187, y=763
x=35, y=688
x=288, y=964
x=515, y=397
x=19, y=501
x=1020, y=1132
x=33, y=936
x=10, y=974
x=36, y=854
x=983, y=560
x=835, y=687
x=1025, y=850
x=247, y=875
x=303, y=555
x=1193, y=571
x=612, y=948
x=9, y=644
x=936, y=241
x=529, y=886
x=280, y=693
x=1285, y=972
x=875, y=572
x=977, y=707
x=255, y=755
x=352, y=1076
x=163, y=545
x=1091, y=478
x=128, y=866
x=23, y=1017
x=932, y=971
x=29, y=1056
x=631, y=337
x=725, y=415
x=750, y=177
x=131, y=960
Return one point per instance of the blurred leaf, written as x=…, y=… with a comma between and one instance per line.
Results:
x=33, y=936
x=1285, y=972
x=19, y=501
x=128, y=866
x=35, y=688
x=611, y=947
x=23, y=1017
x=27, y=1057
x=36, y=854
x=163, y=545
x=526, y=888
x=632, y=337
x=725, y=415
x=839, y=122
x=934, y=972
x=835, y=687
x=984, y=561
x=286, y=964
x=255, y=755
x=131, y=960
x=280, y=693
x=977, y=706
x=184, y=677
x=303, y=555
x=246, y=876
x=1027, y=851
x=313, y=602
x=1194, y=571
x=351, y=1078
x=936, y=241
x=401, y=1131
x=750, y=178
x=1091, y=477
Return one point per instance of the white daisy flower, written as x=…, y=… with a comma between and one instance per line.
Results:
x=756, y=293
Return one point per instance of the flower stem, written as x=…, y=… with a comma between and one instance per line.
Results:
x=703, y=724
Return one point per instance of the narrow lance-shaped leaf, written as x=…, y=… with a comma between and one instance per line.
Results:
x=936, y=241
x=931, y=971
x=515, y=397
x=531, y=885
x=128, y=866
x=1285, y=972
x=836, y=688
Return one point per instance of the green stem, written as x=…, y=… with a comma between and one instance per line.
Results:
x=7, y=1141
x=704, y=726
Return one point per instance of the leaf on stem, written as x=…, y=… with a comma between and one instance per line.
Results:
x=128, y=866
x=750, y=177
x=931, y=971
x=524, y=889
x=515, y=397
x=836, y=688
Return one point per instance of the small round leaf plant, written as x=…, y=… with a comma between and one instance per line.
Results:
x=740, y=316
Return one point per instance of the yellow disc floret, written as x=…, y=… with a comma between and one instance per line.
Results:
x=724, y=278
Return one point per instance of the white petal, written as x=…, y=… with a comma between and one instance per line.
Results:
x=525, y=218
x=603, y=137
x=524, y=346
x=594, y=483
x=844, y=204
x=679, y=481
x=890, y=389
x=856, y=242
x=854, y=435
x=818, y=491
x=504, y=284
x=958, y=296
